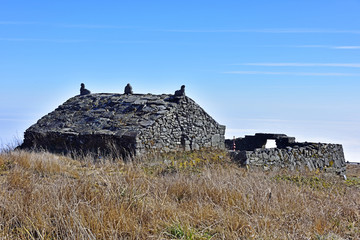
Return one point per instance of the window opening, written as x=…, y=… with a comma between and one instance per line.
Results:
x=270, y=143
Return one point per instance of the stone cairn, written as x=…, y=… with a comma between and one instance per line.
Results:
x=128, y=89
x=83, y=90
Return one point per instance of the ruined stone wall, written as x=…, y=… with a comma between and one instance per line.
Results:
x=184, y=127
x=259, y=140
x=328, y=157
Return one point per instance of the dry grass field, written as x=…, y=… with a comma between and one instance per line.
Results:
x=198, y=195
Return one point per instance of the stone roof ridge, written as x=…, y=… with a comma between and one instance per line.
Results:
x=136, y=99
x=112, y=113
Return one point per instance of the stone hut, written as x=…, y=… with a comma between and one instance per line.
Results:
x=126, y=123
x=288, y=153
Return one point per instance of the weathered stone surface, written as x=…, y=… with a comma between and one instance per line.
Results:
x=126, y=123
x=251, y=150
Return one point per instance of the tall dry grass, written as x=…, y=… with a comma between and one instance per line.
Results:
x=199, y=195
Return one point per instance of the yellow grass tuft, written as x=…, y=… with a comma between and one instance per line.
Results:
x=192, y=195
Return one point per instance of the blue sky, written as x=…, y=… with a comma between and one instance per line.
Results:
x=288, y=67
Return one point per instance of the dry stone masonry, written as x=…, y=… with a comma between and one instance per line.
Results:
x=127, y=123
x=134, y=124
x=288, y=153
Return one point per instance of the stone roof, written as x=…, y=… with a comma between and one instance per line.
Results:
x=128, y=119
x=106, y=113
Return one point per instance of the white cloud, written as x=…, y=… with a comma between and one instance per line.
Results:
x=279, y=30
x=353, y=65
x=261, y=119
x=292, y=73
x=265, y=30
x=16, y=23
x=79, y=41
x=327, y=46
x=14, y=120
x=42, y=40
x=343, y=123
x=313, y=46
x=92, y=26
x=241, y=129
x=299, y=30
x=347, y=47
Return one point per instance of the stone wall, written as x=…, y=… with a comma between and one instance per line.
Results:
x=289, y=154
x=185, y=127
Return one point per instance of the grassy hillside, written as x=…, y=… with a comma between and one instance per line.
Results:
x=199, y=195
